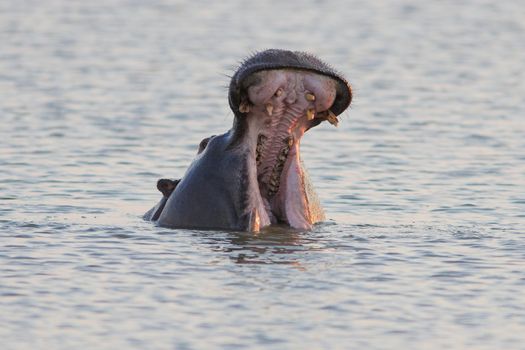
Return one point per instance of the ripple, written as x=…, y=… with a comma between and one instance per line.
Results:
x=421, y=181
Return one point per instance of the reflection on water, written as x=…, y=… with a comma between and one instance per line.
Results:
x=423, y=181
x=273, y=245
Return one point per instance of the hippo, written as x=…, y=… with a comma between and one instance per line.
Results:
x=252, y=176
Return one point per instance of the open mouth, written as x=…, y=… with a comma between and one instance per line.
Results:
x=280, y=106
x=252, y=175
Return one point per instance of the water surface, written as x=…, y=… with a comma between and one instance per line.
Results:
x=423, y=182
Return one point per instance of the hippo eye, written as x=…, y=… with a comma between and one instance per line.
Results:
x=279, y=92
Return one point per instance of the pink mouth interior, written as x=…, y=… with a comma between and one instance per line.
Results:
x=280, y=106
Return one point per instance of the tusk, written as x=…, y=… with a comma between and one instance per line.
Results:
x=332, y=118
x=244, y=107
x=310, y=113
x=269, y=109
x=310, y=97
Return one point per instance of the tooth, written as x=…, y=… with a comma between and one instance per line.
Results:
x=282, y=157
x=269, y=109
x=279, y=92
x=260, y=139
x=310, y=113
x=332, y=118
x=310, y=97
x=244, y=107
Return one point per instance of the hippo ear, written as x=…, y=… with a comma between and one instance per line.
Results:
x=204, y=143
x=166, y=186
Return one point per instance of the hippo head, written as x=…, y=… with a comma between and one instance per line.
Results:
x=252, y=176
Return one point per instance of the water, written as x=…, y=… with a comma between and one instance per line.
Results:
x=423, y=182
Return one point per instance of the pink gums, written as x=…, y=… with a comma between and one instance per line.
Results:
x=282, y=106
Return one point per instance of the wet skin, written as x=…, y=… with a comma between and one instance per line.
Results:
x=252, y=175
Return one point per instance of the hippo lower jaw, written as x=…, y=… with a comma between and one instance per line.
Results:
x=280, y=106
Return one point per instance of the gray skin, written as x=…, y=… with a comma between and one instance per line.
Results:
x=224, y=187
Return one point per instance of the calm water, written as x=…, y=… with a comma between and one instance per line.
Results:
x=423, y=182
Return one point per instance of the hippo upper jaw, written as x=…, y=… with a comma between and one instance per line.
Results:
x=276, y=59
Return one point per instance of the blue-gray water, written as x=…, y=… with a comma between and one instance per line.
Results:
x=423, y=182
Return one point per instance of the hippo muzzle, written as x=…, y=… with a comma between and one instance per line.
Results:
x=252, y=175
